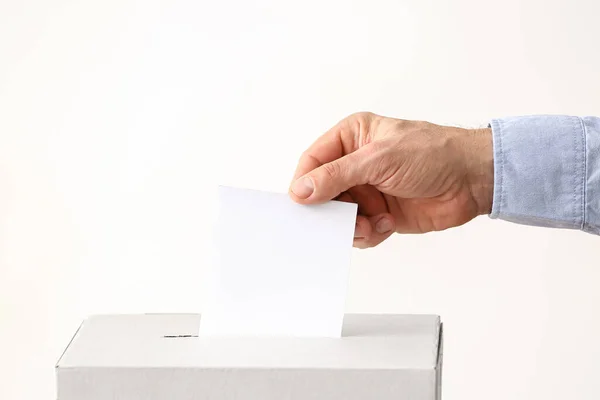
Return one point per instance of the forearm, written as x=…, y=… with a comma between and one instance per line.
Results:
x=547, y=171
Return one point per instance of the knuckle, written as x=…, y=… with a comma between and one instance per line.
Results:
x=362, y=116
x=332, y=170
x=306, y=156
x=363, y=124
x=354, y=128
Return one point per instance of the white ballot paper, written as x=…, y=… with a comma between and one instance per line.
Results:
x=281, y=269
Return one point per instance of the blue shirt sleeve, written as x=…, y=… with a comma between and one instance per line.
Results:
x=547, y=171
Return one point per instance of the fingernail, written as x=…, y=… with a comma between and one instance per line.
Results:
x=303, y=187
x=356, y=226
x=384, y=225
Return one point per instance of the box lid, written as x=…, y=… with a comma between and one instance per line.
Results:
x=170, y=340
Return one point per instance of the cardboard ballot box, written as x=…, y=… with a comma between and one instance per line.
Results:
x=161, y=357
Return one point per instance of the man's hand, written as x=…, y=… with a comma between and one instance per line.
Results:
x=406, y=176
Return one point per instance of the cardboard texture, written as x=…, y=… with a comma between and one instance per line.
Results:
x=160, y=357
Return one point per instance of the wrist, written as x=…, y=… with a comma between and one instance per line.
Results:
x=480, y=168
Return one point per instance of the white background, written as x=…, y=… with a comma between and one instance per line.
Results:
x=118, y=118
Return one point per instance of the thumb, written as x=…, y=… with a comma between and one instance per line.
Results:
x=329, y=180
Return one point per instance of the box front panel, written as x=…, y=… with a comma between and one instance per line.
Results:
x=249, y=384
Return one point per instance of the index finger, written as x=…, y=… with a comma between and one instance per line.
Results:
x=334, y=144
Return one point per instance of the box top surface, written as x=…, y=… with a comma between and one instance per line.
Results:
x=159, y=340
